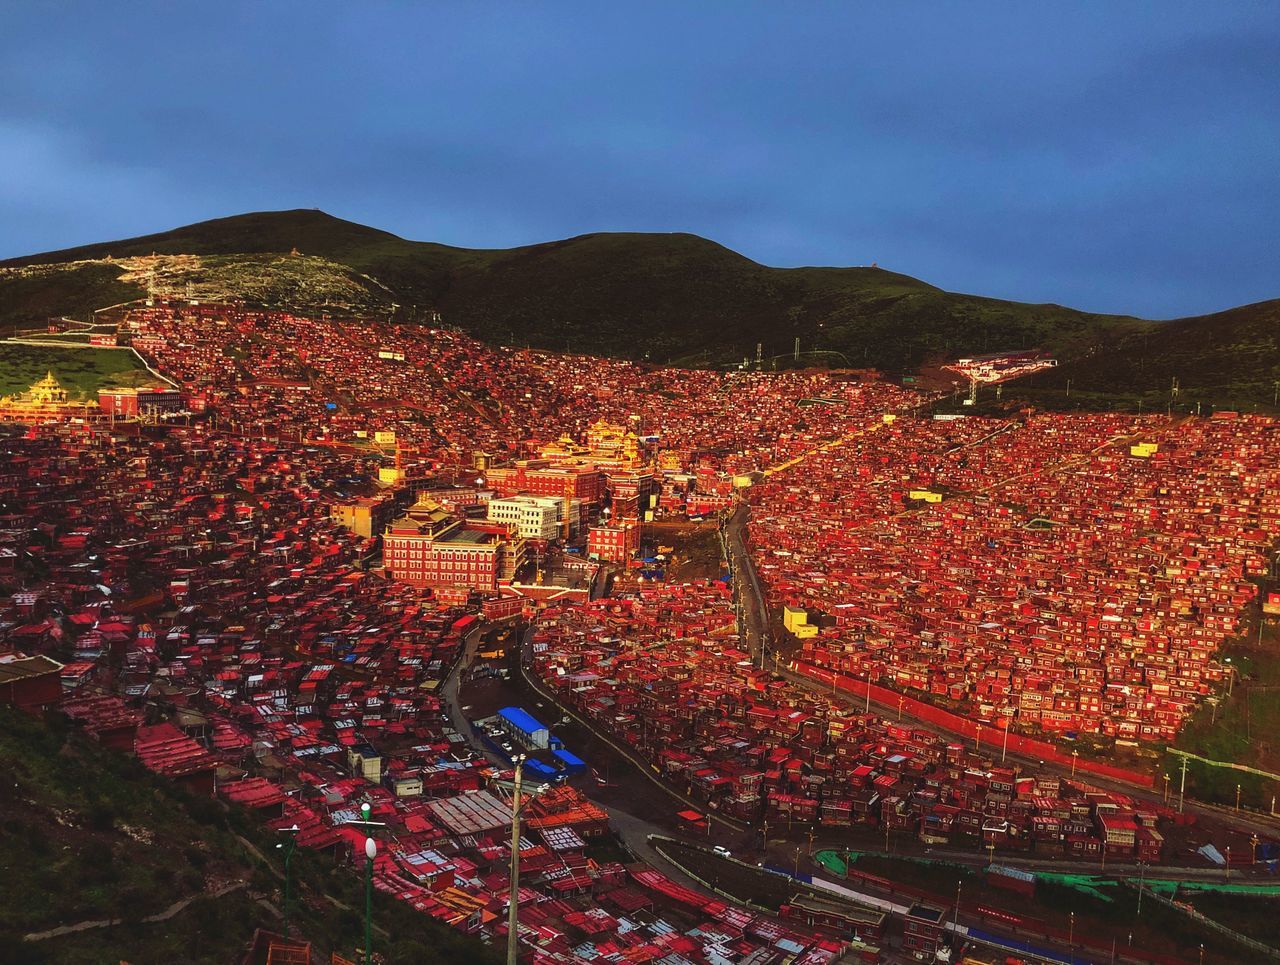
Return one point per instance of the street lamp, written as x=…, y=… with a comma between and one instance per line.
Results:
x=370, y=850
x=955, y=920
x=288, y=847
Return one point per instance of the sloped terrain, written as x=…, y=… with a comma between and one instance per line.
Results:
x=665, y=297
x=90, y=836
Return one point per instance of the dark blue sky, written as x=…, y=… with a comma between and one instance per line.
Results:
x=1114, y=156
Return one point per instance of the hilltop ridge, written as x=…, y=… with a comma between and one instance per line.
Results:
x=669, y=297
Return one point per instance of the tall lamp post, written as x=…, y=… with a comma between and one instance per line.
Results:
x=370, y=851
x=288, y=847
x=513, y=899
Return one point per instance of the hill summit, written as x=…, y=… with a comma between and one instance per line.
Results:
x=670, y=298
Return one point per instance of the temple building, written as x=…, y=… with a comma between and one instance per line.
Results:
x=45, y=401
x=429, y=546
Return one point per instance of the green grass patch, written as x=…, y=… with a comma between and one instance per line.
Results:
x=1244, y=728
x=82, y=371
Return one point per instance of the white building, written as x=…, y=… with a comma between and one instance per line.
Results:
x=533, y=517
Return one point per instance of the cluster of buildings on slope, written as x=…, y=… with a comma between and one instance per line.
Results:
x=1075, y=574
x=200, y=582
x=437, y=396
x=658, y=667
x=1058, y=573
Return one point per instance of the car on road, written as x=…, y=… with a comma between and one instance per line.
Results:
x=722, y=851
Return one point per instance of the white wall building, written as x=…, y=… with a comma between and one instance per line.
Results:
x=530, y=517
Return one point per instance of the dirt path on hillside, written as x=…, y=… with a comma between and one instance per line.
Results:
x=159, y=916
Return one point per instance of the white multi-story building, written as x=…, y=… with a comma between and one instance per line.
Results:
x=529, y=517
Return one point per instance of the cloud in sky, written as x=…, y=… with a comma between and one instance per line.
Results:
x=1116, y=157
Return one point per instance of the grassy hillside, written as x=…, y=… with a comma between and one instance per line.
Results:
x=670, y=297
x=1230, y=358
x=82, y=371
x=90, y=835
x=34, y=294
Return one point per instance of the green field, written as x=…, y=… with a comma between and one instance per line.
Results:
x=1242, y=729
x=82, y=371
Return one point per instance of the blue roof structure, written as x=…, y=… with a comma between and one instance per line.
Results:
x=570, y=760
x=521, y=720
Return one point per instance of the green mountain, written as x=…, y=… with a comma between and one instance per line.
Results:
x=666, y=297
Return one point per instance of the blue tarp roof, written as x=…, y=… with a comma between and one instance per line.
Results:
x=521, y=720
x=1213, y=854
x=570, y=759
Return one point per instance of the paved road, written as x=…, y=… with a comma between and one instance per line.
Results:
x=449, y=699
x=628, y=753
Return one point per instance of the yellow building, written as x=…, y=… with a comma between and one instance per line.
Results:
x=46, y=400
x=608, y=445
x=367, y=516
x=564, y=449
x=794, y=616
x=669, y=461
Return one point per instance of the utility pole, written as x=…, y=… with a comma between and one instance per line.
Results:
x=955, y=920
x=513, y=899
x=1182, y=788
x=1141, y=869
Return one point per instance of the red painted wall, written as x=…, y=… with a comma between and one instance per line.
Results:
x=992, y=736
